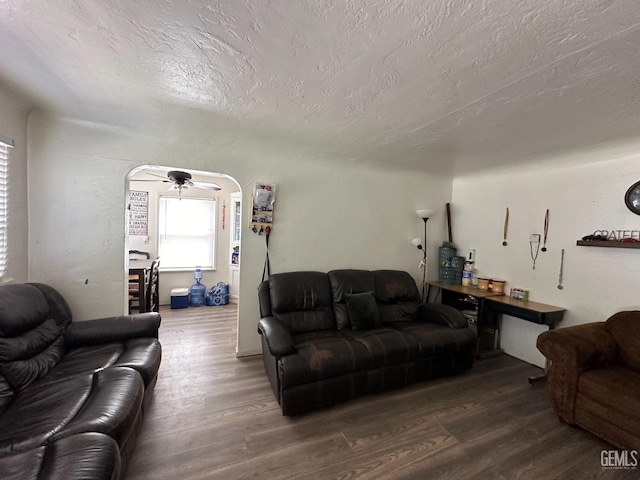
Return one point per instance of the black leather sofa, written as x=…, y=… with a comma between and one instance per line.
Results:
x=318, y=351
x=72, y=394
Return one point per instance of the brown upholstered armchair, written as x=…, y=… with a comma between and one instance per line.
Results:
x=594, y=380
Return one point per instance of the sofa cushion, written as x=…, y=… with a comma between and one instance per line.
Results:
x=6, y=394
x=435, y=339
x=348, y=281
x=107, y=401
x=322, y=355
x=300, y=339
x=363, y=310
x=31, y=342
x=302, y=301
x=22, y=308
x=86, y=456
x=397, y=296
x=31, y=355
x=386, y=346
x=625, y=328
x=617, y=387
x=613, y=394
x=141, y=354
x=58, y=307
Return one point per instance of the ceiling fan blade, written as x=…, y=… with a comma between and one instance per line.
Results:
x=164, y=177
x=207, y=186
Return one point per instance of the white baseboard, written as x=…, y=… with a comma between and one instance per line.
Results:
x=249, y=353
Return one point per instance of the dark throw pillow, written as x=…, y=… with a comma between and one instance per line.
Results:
x=362, y=310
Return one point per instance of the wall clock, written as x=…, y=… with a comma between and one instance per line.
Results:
x=632, y=198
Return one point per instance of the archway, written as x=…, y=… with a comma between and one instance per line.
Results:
x=153, y=188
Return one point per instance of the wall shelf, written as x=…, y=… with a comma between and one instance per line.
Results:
x=607, y=244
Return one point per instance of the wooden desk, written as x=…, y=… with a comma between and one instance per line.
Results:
x=491, y=304
x=476, y=292
x=141, y=268
x=526, y=310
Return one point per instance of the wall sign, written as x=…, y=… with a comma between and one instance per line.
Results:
x=618, y=234
x=138, y=213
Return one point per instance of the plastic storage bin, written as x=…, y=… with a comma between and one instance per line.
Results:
x=450, y=264
x=451, y=271
x=179, y=297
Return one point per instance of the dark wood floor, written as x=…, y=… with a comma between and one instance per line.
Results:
x=214, y=416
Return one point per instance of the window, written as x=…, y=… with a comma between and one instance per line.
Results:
x=5, y=144
x=186, y=231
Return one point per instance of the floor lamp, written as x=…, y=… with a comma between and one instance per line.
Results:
x=424, y=214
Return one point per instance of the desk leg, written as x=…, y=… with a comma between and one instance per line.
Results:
x=547, y=364
x=479, y=321
x=428, y=294
x=496, y=332
x=496, y=336
x=543, y=376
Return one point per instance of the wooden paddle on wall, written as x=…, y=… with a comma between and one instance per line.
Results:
x=449, y=222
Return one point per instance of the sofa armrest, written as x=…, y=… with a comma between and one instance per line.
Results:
x=277, y=336
x=573, y=350
x=443, y=315
x=112, y=329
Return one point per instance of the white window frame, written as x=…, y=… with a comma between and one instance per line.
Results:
x=236, y=226
x=166, y=258
x=5, y=145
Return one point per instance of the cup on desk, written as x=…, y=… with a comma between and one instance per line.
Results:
x=483, y=283
x=497, y=285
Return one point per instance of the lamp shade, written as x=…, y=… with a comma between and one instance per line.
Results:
x=425, y=212
x=416, y=242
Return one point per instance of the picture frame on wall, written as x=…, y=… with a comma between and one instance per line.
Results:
x=138, y=213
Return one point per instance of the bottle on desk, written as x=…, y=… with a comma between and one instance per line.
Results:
x=469, y=269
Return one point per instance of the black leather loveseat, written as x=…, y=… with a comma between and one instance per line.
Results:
x=329, y=337
x=72, y=395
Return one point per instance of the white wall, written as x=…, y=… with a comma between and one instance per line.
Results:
x=172, y=279
x=328, y=214
x=14, y=111
x=584, y=195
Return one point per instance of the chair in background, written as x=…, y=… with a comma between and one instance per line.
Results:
x=153, y=287
x=134, y=291
x=140, y=253
x=138, y=281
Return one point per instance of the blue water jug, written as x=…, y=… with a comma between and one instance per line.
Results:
x=197, y=292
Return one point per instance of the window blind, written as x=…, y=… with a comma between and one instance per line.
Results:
x=186, y=232
x=4, y=197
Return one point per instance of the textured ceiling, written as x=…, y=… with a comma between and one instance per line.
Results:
x=424, y=85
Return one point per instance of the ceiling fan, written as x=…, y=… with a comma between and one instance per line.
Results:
x=181, y=181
